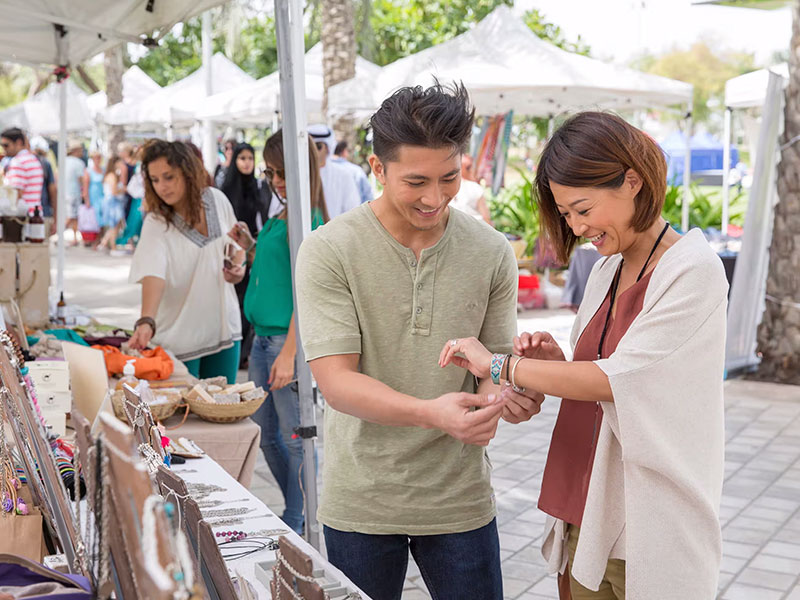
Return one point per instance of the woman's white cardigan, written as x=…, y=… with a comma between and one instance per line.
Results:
x=656, y=483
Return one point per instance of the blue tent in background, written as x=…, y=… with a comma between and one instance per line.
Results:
x=706, y=154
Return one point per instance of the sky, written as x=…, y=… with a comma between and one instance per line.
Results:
x=618, y=30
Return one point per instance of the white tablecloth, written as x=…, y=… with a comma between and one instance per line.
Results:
x=206, y=470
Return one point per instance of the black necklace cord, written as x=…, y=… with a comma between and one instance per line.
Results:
x=615, y=286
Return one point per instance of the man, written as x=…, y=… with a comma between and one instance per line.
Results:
x=72, y=180
x=49, y=188
x=380, y=289
x=222, y=168
x=24, y=171
x=341, y=193
x=341, y=156
x=470, y=197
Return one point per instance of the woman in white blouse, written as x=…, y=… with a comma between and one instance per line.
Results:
x=189, y=304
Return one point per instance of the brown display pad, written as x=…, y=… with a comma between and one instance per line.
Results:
x=119, y=557
x=301, y=563
x=130, y=487
x=200, y=533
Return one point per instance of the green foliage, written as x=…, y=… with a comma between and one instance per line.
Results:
x=553, y=34
x=15, y=81
x=404, y=28
x=180, y=52
x=706, y=208
x=706, y=68
x=513, y=211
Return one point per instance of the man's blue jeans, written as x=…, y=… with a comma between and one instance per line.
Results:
x=278, y=416
x=454, y=566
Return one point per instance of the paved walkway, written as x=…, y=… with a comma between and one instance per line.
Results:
x=761, y=499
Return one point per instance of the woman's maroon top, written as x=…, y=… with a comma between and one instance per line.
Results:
x=569, y=463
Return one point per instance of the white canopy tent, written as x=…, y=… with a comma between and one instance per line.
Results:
x=136, y=87
x=177, y=103
x=39, y=114
x=259, y=101
x=67, y=32
x=505, y=66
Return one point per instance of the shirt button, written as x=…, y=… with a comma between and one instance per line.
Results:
x=419, y=286
x=419, y=309
x=413, y=263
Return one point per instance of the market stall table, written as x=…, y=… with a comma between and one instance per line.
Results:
x=206, y=470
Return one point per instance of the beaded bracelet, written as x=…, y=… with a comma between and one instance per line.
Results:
x=496, y=367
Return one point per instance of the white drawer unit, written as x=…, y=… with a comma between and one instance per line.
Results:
x=52, y=375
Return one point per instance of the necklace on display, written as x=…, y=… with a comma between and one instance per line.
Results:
x=213, y=503
x=227, y=512
x=233, y=520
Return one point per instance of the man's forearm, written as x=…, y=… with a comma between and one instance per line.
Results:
x=362, y=396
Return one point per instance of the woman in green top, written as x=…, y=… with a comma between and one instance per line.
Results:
x=269, y=306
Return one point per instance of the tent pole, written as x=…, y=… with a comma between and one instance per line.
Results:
x=209, y=149
x=551, y=126
x=62, y=39
x=289, y=33
x=726, y=168
x=687, y=173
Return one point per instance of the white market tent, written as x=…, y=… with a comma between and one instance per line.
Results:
x=176, y=104
x=68, y=32
x=39, y=115
x=505, y=66
x=136, y=87
x=259, y=101
x=750, y=90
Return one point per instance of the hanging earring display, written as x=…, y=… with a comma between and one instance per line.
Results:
x=151, y=460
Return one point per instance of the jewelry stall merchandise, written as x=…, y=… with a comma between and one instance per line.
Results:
x=38, y=460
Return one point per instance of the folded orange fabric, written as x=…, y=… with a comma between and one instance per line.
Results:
x=152, y=364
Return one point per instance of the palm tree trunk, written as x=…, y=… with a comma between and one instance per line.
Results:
x=779, y=332
x=338, y=54
x=114, y=67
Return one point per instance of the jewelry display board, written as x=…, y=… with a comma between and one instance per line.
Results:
x=212, y=565
x=38, y=462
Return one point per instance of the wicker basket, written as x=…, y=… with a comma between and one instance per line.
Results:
x=161, y=411
x=225, y=413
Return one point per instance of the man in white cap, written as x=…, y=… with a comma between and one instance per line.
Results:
x=341, y=193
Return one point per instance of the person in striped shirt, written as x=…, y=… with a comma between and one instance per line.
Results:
x=24, y=172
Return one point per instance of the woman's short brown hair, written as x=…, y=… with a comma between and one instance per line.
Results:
x=179, y=156
x=596, y=149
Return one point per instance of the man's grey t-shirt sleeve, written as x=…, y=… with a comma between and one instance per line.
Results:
x=325, y=306
x=500, y=323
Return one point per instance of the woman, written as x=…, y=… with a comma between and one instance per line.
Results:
x=94, y=183
x=188, y=302
x=250, y=207
x=634, y=474
x=113, y=208
x=269, y=306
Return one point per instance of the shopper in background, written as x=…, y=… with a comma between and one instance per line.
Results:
x=72, y=180
x=341, y=193
x=219, y=174
x=23, y=171
x=188, y=301
x=113, y=209
x=94, y=183
x=269, y=306
x=249, y=198
x=40, y=148
x=341, y=156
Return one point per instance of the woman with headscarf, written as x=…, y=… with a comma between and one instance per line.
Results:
x=248, y=196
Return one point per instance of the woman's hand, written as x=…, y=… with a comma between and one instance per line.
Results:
x=282, y=372
x=233, y=274
x=539, y=345
x=141, y=337
x=240, y=233
x=474, y=357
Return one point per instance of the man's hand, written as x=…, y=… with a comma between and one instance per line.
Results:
x=539, y=345
x=453, y=414
x=520, y=406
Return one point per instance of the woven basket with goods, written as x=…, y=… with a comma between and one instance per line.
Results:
x=165, y=404
x=212, y=402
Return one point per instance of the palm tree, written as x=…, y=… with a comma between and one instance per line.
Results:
x=779, y=332
x=112, y=61
x=338, y=54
